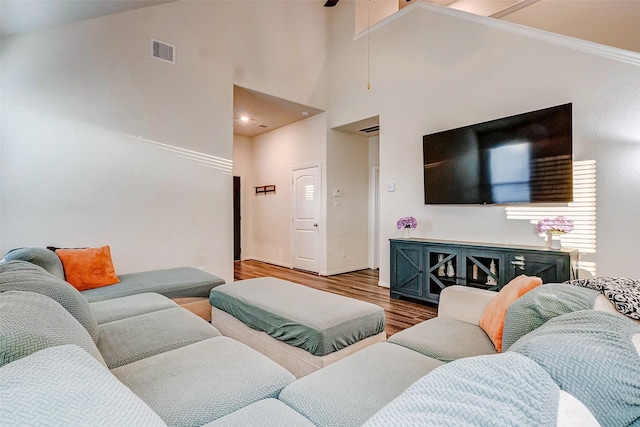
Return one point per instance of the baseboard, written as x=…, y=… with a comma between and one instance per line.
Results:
x=346, y=270
x=321, y=273
x=269, y=261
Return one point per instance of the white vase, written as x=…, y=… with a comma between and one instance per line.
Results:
x=554, y=241
x=406, y=232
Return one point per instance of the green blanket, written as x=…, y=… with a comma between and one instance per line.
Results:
x=498, y=390
x=534, y=308
x=590, y=354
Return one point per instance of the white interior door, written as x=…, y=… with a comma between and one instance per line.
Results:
x=306, y=211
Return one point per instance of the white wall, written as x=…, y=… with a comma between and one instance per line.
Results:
x=458, y=71
x=374, y=152
x=370, y=12
x=243, y=167
x=347, y=215
x=83, y=108
x=273, y=156
x=76, y=99
x=374, y=207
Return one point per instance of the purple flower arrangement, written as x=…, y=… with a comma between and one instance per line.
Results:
x=407, y=222
x=557, y=225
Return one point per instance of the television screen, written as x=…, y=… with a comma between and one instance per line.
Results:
x=526, y=158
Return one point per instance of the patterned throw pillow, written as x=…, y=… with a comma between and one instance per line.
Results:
x=623, y=293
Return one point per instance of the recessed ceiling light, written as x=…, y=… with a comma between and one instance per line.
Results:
x=305, y=113
x=244, y=119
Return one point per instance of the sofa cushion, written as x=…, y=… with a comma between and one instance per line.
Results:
x=591, y=355
x=201, y=382
x=492, y=320
x=445, y=339
x=88, y=268
x=349, y=391
x=498, y=390
x=264, y=413
x=127, y=340
x=132, y=305
x=534, y=308
x=24, y=276
x=32, y=322
x=64, y=386
x=41, y=257
x=172, y=283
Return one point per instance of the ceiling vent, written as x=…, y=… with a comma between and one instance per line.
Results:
x=163, y=51
x=370, y=129
x=263, y=126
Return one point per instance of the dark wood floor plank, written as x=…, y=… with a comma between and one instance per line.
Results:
x=362, y=285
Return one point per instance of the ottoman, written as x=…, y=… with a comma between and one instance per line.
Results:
x=301, y=328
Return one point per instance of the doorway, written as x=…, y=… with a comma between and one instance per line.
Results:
x=237, y=238
x=305, y=236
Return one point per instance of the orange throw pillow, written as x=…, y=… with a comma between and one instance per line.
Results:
x=492, y=319
x=88, y=268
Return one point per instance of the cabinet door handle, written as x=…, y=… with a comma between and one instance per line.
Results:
x=520, y=264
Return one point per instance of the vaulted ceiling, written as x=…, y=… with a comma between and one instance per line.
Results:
x=609, y=22
x=22, y=16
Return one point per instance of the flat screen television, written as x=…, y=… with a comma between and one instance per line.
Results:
x=526, y=158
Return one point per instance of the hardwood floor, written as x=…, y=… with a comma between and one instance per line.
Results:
x=362, y=285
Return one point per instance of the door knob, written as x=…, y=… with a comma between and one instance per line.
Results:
x=315, y=225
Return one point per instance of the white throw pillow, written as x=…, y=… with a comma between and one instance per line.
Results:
x=603, y=303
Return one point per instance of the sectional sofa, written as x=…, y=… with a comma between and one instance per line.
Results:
x=142, y=360
x=187, y=286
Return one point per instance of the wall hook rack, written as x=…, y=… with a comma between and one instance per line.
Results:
x=265, y=189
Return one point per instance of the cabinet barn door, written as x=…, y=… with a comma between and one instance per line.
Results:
x=548, y=268
x=407, y=274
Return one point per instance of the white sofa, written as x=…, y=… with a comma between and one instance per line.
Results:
x=60, y=375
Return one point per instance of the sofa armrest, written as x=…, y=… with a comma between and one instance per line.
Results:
x=464, y=303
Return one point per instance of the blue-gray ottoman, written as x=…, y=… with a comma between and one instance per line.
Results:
x=301, y=328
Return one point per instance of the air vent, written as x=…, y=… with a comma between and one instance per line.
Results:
x=370, y=129
x=163, y=51
x=263, y=126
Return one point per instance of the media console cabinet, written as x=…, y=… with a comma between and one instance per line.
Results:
x=422, y=268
